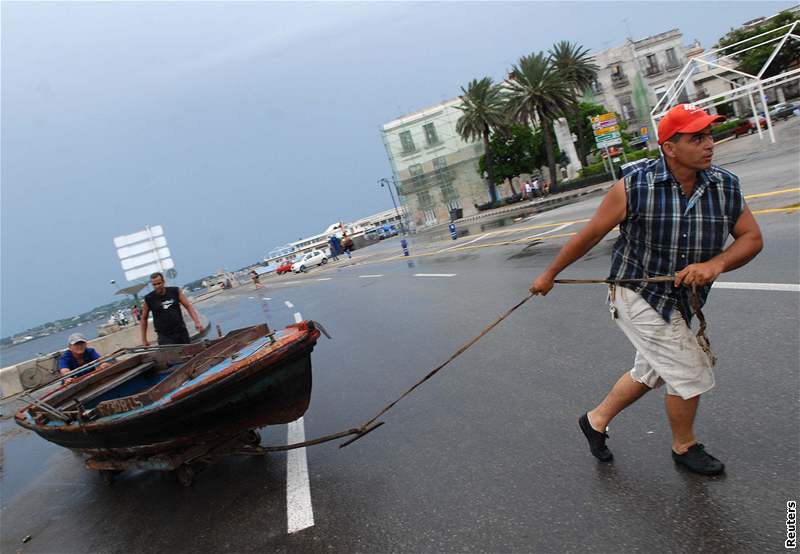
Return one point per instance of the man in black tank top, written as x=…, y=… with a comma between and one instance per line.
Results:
x=165, y=303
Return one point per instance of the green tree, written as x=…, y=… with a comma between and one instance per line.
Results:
x=576, y=67
x=752, y=60
x=484, y=110
x=537, y=94
x=516, y=150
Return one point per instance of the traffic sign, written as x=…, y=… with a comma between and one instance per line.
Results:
x=144, y=252
x=606, y=130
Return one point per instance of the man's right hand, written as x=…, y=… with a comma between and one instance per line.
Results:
x=542, y=284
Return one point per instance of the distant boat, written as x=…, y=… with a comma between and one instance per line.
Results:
x=163, y=399
x=20, y=340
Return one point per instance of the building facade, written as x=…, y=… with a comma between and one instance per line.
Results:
x=434, y=169
x=632, y=76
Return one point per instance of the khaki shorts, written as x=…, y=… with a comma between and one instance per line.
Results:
x=666, y=352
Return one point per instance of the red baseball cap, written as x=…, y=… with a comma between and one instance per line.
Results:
x=684, y=118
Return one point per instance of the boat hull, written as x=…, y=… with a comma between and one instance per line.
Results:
x=267, y=391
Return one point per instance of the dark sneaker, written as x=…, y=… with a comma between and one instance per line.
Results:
x=597, y=440
x=697, y=460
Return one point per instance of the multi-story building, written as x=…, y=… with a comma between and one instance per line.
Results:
x=435, y=170
x=632, y=76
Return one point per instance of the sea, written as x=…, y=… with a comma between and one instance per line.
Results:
x=16, y=353
x=230, y=312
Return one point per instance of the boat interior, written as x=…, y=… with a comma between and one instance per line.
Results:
x=137, y=377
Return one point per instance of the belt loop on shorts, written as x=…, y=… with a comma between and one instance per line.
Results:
x=612, y=296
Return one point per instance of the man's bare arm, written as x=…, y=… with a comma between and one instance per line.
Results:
x=192, y=312
x=143, y=323
x=746, y=246
x=609, y=214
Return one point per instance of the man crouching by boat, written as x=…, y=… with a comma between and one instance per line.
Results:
x=77, y=354
x=165, y=303
x=674, y=215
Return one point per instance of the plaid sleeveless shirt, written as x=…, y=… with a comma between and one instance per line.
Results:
x=664, y=231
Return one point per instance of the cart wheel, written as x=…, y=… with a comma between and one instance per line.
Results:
x=108, y=475
x=252, y=438
x=185, y=475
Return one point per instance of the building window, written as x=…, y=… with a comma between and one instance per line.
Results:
x=431, y=138
x=407, y=142
x=672, y=60
x=628, y=113
x=618, y=77
x=443, y=174
x=449, y=194
x=597, y=87
x=652, y=65
x=425, y=200
x=417, y=177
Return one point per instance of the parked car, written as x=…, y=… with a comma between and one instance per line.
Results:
x=388, y=231
x=285, y=267
x=748, y=126
x=313, y=258
x=784, y=110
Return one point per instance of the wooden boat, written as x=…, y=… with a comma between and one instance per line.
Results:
x=167, y=399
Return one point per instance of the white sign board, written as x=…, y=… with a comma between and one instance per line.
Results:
x=143, y=253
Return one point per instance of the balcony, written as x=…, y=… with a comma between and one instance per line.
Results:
x=672, y=66
x=652, y=71
x=620, y=80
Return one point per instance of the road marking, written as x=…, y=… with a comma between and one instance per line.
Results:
x=772, y=193
x=297, y=317
x=514, y=229
x=265, y=298
x=785, y=287
x=787, y=209
x=434, y=275
x=299, y=512
x=289, y=304
x=550, y=231
x=483, y=236
x=369, y=276
x=324, y=279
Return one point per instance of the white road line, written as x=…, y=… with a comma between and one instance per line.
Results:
x=297, y=317
x=369, y=276
x=289, y=304
x=466, y=243
x=785, y=287
x=554, y=230
x=434, y=274
x=299, y=512
x=324, y=279
x=265, y=298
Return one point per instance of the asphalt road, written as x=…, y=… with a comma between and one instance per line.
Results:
x=487, y=455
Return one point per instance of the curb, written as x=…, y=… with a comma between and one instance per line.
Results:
x=520, y=207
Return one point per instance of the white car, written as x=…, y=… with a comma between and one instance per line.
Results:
x=313, y=258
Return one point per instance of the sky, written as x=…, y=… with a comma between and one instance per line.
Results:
x=242, y=126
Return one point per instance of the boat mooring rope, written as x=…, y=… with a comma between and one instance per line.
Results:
x=373, y=423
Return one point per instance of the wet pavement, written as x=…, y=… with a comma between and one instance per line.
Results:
x=487, y=455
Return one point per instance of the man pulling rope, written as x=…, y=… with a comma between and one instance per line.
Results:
x=674, y=215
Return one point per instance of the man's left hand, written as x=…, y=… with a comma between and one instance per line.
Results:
x=698, y=274
x=198, y=326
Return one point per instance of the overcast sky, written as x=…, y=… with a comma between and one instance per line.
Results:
x=238, y=126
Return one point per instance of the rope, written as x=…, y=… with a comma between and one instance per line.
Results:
x=373, y=423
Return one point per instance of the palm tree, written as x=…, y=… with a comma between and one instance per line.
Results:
x=484, y=111
x=575, y=66
x=537, y=93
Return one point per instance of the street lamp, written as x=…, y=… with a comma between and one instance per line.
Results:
x=384, y=182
